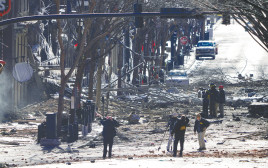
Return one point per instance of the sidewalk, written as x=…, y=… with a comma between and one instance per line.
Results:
x=169, y=162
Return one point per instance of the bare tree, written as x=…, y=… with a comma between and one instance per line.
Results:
x=79, y=53
x=252, y=15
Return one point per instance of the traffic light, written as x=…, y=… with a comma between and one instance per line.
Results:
x=226, y=19
x=2, y=64
x=138, y=19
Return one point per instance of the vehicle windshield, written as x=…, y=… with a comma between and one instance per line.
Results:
x=205, y=44
x=177, y=73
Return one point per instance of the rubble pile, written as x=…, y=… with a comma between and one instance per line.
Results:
x=236, y=135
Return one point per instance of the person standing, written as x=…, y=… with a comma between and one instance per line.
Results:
x=213, y=100
x=221, y=101
x=205, y=103
x=200, y=127
x=108, y=134
x=171, y=122
x=179, y=131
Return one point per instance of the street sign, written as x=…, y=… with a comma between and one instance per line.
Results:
x=177, y=13
x=5, y=6
x=183, y=40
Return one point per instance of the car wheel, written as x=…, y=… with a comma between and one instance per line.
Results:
x=197, y=58
x=213, y=57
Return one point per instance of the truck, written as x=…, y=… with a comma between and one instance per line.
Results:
x=206, y=48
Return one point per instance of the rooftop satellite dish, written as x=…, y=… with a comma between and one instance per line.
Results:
x=22, y=72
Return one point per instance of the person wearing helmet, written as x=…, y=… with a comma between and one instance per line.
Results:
x=221, y=101
x=171, y=122
x=213, y=100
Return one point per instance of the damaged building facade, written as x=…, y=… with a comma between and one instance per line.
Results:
x=15, y=48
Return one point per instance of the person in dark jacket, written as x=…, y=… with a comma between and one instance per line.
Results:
x=205, y=103
x=108, y=134
x=179, y=131
x=200, y=127
x=171, y=122
x=221, y=101
x=213, y=100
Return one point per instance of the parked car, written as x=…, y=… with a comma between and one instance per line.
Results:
x=206, y=48
x=177, y=77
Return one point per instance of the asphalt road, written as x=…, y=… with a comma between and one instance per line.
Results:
x=238, y=54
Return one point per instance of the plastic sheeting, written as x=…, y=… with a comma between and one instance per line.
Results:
x=22, y=72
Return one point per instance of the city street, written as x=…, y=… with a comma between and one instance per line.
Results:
x=229, y=144
x=76, y=76
x=238, y=54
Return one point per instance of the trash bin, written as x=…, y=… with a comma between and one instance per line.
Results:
x=41, y=132
x=51, y=125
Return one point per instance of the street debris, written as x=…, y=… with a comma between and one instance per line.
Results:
x=238, y=134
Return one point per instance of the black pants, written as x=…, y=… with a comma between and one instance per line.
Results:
x=106, y=142
x=205, y=109
x=175, y=145
x=212, y=109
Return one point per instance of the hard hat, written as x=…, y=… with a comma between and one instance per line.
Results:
x=212, y=85
x=220, y=87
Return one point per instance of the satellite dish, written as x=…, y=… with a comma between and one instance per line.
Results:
x=22, y=72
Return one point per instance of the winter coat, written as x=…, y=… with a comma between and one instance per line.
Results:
x=200, y=125
x=213, y=95
x=180, y=127
x=171, y=123
x=221, y=96
x=109, y=130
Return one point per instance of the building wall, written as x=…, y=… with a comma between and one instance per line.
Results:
x=20, y=89
x=14, y=36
